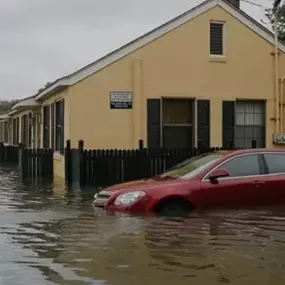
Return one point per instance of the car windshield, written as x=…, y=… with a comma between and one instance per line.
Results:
x=192, y=166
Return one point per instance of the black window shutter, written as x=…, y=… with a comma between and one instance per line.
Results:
x=203, y=123
x=46, y=126
x=216, y=39
x=62, y=127
x=228, y=123
x=23, y=126
x=30, y=129
x=17, y=130
x=52, y=125
x=153, y=123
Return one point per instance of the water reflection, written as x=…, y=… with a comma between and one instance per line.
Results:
x=52, y=235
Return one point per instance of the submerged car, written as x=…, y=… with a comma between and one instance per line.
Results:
x=221, y=179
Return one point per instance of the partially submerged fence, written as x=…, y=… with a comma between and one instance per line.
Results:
x=8, y=153
x=32, y=163
x=35, y=163
x=108, y=167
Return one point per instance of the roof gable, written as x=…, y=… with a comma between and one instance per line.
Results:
x=153, y=35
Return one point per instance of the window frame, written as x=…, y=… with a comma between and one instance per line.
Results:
x=223, y=23
x=262, y=167
x=191, y=126
x=266, y=164
x=261, y=127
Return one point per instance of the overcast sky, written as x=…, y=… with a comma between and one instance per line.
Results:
x=41, y=40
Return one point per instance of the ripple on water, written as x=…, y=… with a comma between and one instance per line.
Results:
x=51, y=235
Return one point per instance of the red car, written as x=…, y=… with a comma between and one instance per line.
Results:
x=222, y=179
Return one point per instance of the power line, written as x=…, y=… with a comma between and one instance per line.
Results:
x=253, y=3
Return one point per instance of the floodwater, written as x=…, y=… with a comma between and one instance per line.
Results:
x=50, y=235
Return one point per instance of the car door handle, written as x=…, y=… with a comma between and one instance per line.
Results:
x=258, y=182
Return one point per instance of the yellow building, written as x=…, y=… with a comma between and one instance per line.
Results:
x=22, y=124
x=206, y=75
x=4, y=128
x=209, y=76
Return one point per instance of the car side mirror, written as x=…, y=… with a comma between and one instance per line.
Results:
x=219, y=173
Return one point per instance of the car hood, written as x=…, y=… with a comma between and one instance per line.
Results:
x=140, y=184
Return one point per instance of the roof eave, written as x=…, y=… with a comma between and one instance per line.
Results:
x=52, y=90
x=4, y=117
x=23, y=108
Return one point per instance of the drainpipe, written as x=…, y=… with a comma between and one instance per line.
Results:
x=276, y=73
x=282, y=104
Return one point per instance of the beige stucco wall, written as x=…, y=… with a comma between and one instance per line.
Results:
x=58, y=162
x=176, y=65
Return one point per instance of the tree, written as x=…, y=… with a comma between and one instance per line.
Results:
x=5, y=105
x=270, y=15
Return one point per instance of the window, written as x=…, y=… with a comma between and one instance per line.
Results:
x=216, y=38
x=250, y=124
x=245, y=165
x=275, y=163
x=177, y=123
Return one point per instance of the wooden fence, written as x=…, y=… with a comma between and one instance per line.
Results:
x=35, y=163
x=108, y=167
x=8, y=153
x=32, y=163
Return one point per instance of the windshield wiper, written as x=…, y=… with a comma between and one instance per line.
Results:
x=167, y=177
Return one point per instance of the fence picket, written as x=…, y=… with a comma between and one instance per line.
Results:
x=104, y=167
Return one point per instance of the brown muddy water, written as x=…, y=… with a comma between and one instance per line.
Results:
x=51, y=235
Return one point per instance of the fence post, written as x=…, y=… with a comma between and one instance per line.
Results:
x=22, y=162
x=141, y=146
x=75, y=162
x=253, y=143
x=231, y=145
x=200, y=146
x=82, y=163
x=67, y=162
x=2, y=152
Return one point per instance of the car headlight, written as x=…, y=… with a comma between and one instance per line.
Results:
x=129, y=198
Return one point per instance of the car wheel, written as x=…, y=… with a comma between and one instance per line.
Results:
x=174, y=209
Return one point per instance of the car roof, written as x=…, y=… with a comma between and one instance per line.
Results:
x=250, y=150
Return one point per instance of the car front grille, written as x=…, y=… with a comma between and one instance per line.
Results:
x=103, y=196
x=101, y=199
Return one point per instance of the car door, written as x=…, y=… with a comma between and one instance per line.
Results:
x=242, y=186
x=275, y=179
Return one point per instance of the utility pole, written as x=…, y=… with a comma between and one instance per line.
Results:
x=276, y=14
x=276, y=73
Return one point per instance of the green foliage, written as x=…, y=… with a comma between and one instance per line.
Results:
x=270, y=16
x=5, y=105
